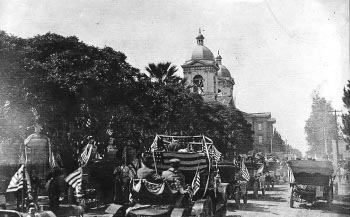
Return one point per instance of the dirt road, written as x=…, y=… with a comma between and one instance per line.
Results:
x=276, y=203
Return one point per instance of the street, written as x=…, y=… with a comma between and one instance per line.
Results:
x=276, y=203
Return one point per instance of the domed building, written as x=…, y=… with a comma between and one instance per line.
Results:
x=208, y=76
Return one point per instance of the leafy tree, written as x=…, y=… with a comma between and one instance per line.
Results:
x=346, y=117
x=320, y=126
x=77, y=90
x=74, y=88
x=277, y=142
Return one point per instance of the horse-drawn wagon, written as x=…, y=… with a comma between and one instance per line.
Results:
x=310, y=181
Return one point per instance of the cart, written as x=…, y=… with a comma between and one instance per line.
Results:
x=310, y=181
x=170, y=199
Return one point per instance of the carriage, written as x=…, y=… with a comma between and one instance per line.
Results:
x=203, y=193
x=310, y=181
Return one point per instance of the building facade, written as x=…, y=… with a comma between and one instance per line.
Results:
x=207, y=76
x=262, y=125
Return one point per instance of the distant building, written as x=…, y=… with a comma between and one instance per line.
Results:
x=208, y=76
x=262, y=125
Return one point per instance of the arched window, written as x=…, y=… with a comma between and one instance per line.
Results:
x=198, y=84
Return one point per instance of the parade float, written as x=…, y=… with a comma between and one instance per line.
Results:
x=203, y=194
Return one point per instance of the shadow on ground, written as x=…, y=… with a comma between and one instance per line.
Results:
x=267, y=197
x=325, y=208
x=233, y=207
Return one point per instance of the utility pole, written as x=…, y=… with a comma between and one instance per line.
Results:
x=336, y=137
x=325, y=141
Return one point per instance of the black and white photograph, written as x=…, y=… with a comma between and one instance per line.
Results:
x=186, y=108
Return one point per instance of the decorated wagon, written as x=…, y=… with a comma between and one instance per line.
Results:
x=310, y=181
x=203, y=194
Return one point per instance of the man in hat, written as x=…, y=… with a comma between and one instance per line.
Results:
x=145, y=172
x=173, y=173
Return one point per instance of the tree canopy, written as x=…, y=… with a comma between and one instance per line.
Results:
x=346, y=116
x=77, y=90
x=320, y=126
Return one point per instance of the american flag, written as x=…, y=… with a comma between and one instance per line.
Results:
x=75, y=178
x=85, y=156
x=16, y=182
x=215, y=154
x=245, y=173
x=188, y=161
x=196, y=182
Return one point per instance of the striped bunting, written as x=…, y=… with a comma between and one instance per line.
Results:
x=188, y=161
x=245, y=173
x=75, y=178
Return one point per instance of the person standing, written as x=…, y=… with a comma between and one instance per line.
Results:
x=54, y=191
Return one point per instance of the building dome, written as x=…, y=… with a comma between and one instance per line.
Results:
x=201, y=52
x=223, y=71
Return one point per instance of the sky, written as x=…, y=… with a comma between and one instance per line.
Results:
x=278, y=51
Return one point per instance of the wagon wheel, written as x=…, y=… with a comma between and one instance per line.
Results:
x=291, y=200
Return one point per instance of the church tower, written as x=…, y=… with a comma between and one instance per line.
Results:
x=201, y=71
x=207, y=76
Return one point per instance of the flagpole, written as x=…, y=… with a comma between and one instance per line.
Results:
x=24, y=184
x=24, y=176
x=207, y=184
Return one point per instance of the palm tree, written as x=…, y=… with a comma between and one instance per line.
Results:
x=163, y=73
